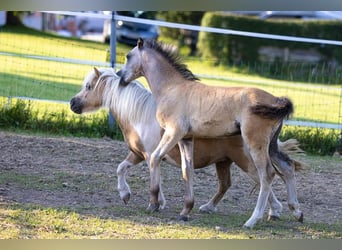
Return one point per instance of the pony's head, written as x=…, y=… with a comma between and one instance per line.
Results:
x=90, y=97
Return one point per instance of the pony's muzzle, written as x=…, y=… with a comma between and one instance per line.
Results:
x=76, y=105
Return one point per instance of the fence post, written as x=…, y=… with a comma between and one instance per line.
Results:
x=111, y=120
x=339, y=146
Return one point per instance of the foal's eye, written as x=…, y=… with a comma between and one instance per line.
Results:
x=128, y=56
x=88, y=87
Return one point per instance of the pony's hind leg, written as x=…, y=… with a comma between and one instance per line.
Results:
x=224, y=182
x=275, y=207
x=123, y=187
x=186, y=147
x=285, y=166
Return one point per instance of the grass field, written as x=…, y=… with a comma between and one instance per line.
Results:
x=20, y=76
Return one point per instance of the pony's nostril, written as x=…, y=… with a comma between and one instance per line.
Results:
x=75, y=105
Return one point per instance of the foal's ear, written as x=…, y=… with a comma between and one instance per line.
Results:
x=97, y=72
x=140, y=43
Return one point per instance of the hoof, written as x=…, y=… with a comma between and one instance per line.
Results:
x=183, y=218
x=273, y=218
x=247, y=227
x=207, y=210
x=153, y=208
x=126, y=198
x=301, y=218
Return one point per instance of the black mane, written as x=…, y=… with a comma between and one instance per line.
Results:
x=171, y=55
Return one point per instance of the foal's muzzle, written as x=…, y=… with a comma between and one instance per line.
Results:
x=122, y=81
x=76, y=105
x=119, y=73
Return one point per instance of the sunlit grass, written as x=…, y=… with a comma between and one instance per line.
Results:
x=34, y=222
x=60, y=81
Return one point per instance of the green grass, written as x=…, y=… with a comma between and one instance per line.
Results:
x=20, y=76
x=60, y=81
x=52, y=80
x=34, y=222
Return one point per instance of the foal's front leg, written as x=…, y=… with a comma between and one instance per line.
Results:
x=186, y=147
x=167, y=142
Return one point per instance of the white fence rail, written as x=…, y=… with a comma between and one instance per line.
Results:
x=202, y=28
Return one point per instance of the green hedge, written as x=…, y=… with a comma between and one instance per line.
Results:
x=19, y=116
x=228, y=49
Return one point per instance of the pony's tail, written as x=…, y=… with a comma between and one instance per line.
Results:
x=292, y=147
x=283, y=108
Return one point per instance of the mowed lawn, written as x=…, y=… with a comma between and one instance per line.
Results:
x=55, y=80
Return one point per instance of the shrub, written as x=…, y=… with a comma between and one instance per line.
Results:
x=19, y=115
x=234, y=50
x=313, y=140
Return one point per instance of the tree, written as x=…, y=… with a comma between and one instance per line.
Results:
x=187, y=37
x=13, y=18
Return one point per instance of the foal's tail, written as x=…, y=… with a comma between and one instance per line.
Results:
x=283, y=108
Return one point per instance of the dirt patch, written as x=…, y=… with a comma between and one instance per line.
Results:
x=80, y=174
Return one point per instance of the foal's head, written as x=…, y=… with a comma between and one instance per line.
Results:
x=90, y=97
x=133, y=67
x=137, y=61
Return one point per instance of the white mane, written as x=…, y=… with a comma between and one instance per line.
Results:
x=132, y=103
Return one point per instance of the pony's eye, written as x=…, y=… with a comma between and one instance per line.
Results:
x=88, y=87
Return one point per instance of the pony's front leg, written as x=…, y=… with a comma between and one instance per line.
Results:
x=123, y=187
x=186, y=147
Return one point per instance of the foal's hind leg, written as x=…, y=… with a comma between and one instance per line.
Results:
x=265, y=188
x=224, y=182
x=275, y=205
x=258, y=146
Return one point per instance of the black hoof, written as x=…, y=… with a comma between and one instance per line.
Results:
x=152, y=208
x=301, y=218
x=183, y=218
x=126, y=198
x=273, y=218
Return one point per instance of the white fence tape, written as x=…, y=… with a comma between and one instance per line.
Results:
x=202, y=28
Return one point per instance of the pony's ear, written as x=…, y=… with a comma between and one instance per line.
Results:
x=140, y=43
x=97, y=72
